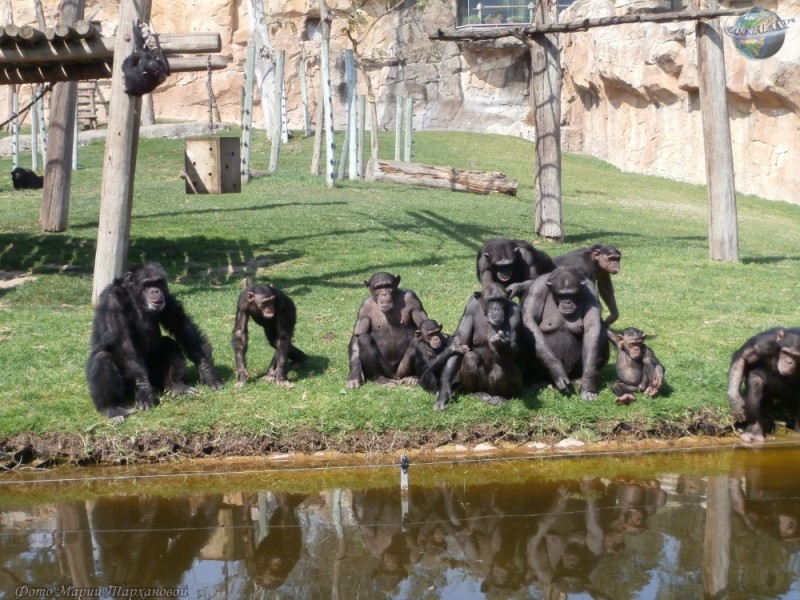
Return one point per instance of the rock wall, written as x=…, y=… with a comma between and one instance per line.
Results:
x=630, y=92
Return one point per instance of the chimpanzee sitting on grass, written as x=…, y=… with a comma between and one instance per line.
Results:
x=129, y=359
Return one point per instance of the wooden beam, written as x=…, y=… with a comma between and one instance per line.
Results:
x=101, y=48
x=100, y=70
x=468, y=34
x=119, y=163
x=458, y=180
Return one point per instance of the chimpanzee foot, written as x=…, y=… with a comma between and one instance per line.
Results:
x=493, y=400
x=625, y=399
x=179, y=389
x=752, y=438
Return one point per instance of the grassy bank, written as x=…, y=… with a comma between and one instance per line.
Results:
x=319, y=245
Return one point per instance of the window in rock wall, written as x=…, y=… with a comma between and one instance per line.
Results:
x=495, y=13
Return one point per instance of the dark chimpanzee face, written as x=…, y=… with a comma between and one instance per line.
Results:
x=149, y=283
x=431, y=333
x=565, y=286
x=631, y=341
x=382, y=286
x=263, y=302
x=789, y=355
x=608, y=258
x=503, y=270
x=493, y=301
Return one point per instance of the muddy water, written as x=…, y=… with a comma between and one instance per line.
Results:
x=683, y=524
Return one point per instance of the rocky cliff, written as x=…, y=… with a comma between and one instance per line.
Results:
x=630, y=91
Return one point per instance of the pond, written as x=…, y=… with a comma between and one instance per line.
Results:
x=719, y=522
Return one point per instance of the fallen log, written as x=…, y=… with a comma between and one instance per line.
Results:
x=459, y=180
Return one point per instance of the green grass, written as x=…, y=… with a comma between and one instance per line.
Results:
x=320, y=244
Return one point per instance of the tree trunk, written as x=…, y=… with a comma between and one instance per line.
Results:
x=459, y=180
x=546, y=96
x=723, y=233
x=54, y=212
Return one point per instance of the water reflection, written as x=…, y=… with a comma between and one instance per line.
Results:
x=688, y=535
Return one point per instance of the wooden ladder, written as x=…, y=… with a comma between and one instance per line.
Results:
x=89, y=96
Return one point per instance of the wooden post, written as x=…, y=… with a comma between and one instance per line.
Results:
x=15, y=127
x=119, y=163
x=352, y=115
x=723, y=232
x=35, y=132
x=345, y=148
x=398, y=128
x=148, y=110
x=304, y=96
x=546, y=96
x=75, y=140
x=247, y=109
x=717, y=538
x=317, y=139
x=325, y=74
x=407, y=122
x=277, y=107
x=54, y=211
x=361, y=111
x=42, y=129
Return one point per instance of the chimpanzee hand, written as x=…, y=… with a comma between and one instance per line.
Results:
x=501, y=339
x=588, y=396
x=145, y=398
x=241, y=378
x=208, y=376
x=563, y=384
x=442, y=400
x=737, y=407
x=355, y=381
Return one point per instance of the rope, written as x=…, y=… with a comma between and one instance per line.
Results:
x=211, y=100
x=22, y=111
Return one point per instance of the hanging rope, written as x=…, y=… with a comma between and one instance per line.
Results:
x=211, y=100
x=22, y=111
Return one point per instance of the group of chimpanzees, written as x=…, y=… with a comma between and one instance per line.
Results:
x=554, y=335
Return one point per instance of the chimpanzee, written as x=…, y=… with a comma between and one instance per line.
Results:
x=490, y=369
x=562, y=313
x=25, y=179
x=129, y=358
x=513, y=264
x=638, y=369
x=380, y=348
x=597, y=263
x=767, y=364
x=274, y=311
x=433, y=348
x=145, y=67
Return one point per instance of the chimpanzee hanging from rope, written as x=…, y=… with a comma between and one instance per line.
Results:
x=146, y=66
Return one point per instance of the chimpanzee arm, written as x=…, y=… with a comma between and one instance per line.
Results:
x=593, y=336
x=240, y=340
x=758, y=348
x=655, y=371
x=363, y=326
x=175, y=320
x=605, y=288
x=462, y=338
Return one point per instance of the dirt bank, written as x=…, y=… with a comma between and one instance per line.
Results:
x=54, y=449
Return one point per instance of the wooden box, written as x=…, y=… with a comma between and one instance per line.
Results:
x=213, y=165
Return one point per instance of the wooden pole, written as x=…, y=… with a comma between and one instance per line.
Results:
x=717, y=537
x=317, y=139
x=352, y=114
x=148, y=110
x=119, y=163
x=723, y=233
x=398, y=128
x=35, y=132
x=75, y=140
x=15, y=127
x=361, y=111
x=546, y=96
x=407, y=122
x=54, y=211
x=277, y=120
x=304, y=96
x=247, y=110
x=42, y=129
x=325, y=74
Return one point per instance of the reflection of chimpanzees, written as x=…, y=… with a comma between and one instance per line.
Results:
x=270, y=563
x=147, y=541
